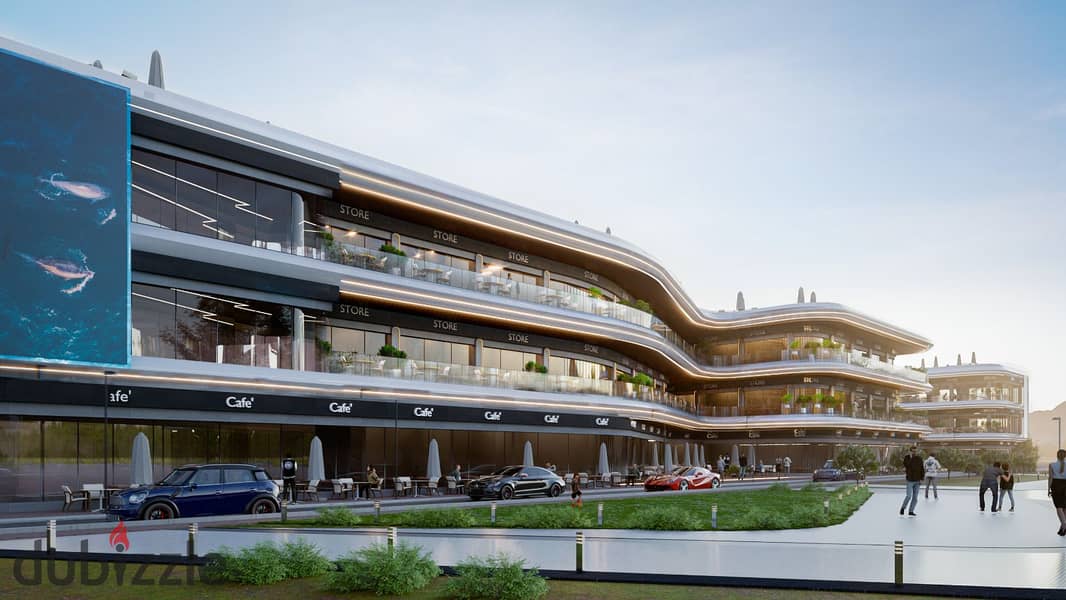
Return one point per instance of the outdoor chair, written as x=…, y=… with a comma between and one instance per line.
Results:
x=401, y=485
x=453, y=487
x=308, y=490
x=445, y=278
x=70, y=497
x=373, y=490
x=583, y=479
x=95, y=491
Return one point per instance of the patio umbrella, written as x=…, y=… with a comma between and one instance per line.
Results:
x=751, y=457
x=433, y=462
x=605, y=467
x=703, y=455
x=655, y=456
x=740, y=300
x=734, y=456
x=141, y=462
x=799, y=296
x=973, y=358
x=688, y=454
x=527, y=454
x=316, y=465
x=668, y=455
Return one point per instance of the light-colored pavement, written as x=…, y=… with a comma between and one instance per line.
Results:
x=949, y=542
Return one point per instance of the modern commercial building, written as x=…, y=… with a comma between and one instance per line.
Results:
x=276, y=281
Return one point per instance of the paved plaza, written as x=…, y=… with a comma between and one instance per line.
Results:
x=949, y=542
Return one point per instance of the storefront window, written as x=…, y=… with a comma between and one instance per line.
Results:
x=508, y=360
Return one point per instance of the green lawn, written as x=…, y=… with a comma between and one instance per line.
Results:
x=306, y=589
x=777, y=507
x=962, y=481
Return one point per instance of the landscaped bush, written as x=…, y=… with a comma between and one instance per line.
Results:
x=732, y=471
x=498, y=577
x=766, y=519
x=260, y=564
x=439, y=519
x=549, y=517
x=779, y=488
x=337, y=517
x=303, y=559
x=384, y=571
x=664, y=518
x=813, y=487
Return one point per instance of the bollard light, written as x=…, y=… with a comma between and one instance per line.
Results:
x=579, y=558
x=190, y=544
x=492, y=513
x=392, y=537
x=826, y=505
x=840, y=496
x=898, y=552
x=285, y=513
x=377, y=510
x=714, y=516
x=599, y=514
x=51, y=537
x=849, y=491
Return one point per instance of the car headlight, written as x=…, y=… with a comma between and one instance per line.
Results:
x=137, y=497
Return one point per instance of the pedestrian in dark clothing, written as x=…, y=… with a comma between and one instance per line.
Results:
x=912, y=463
x=743, y=465
x=1056, y=488
x=990, y=481
x=575, y=492
x=1006, y=486
x=288, y=478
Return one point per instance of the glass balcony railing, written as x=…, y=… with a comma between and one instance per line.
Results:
x=429, y=371
x=486, y=282
x=819, y=355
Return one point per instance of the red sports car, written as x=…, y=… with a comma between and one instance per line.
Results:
x=684, y=478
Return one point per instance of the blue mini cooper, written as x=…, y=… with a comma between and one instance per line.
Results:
x=194, y=491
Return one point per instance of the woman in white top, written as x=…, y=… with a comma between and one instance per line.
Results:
x=1056, y=488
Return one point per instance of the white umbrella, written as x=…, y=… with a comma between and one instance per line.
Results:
x=141, y=462
x=605, y=467
x=527, y=454
x=316, y=465
x=433, y=462
x=688, y=454
x=668, y=464
x=702, y=455
x=751, y=457
x=655, y=456
x=734, y=456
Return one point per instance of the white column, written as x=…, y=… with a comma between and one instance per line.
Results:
x=299, y=347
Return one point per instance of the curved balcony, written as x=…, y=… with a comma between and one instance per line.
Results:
x=969, y=404
x=824, y=355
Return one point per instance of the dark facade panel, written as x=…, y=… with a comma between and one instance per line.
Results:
x=158, y=264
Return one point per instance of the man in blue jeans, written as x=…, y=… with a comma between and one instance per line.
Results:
x=912, y=463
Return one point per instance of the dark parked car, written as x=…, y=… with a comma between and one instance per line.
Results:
x=829, y=472
x=514, y=482
x=201, y=490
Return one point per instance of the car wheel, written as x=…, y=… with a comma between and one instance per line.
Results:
x=716, y=482
x=555, y=490
x=158, y=511
x=261, y=507
x=684, y=486
x=506, y=493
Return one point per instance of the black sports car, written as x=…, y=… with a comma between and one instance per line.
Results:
x=514, y=482
x=831, y=472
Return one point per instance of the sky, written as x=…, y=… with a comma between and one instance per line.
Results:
x=907, y=159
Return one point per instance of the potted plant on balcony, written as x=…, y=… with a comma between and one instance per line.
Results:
x=595, y=292
x=395, y=267
x=329, y=245
x=804, y=401
x=324, y=348
x=533, y=367
x=831, y=403
x=793, y=349
x=786, y=403
x=390, y=351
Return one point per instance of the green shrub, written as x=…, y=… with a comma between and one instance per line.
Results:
x=779, y=488
x=430, y=519
x=260, y=564
x=391, y=250
x=498, y=577
x=732, y=471
x=303, y=559
x=384, y=571
x=391, y=351
x=549, y=517
x=337, y=517
x=663, y=518
x=767, y=519
x=813, y=487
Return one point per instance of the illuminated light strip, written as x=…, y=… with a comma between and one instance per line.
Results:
x=235, y=136
x=239, y=204
x=237, y=305
x=628, y=411
x=698, y=372
x=209, y=316
x=704, y=321
x=206, y=219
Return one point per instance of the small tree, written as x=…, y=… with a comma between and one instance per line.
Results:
x=1023, y=457
x=895, y=460
x=952, y=459
x=860, y=458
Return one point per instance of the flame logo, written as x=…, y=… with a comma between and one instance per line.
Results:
x=119, y=539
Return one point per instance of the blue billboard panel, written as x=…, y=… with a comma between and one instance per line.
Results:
x=64, y=230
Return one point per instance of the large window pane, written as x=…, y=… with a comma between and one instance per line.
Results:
x=153, y=189
x=153, y=321
x=20, y=457
x=60, y=456
x=274, y=217
x=236, y=208
x=197, y=209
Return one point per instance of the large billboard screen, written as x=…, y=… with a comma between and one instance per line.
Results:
x=64, y=231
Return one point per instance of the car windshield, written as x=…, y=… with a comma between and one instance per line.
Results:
x=679, y=471
x=508, y=471
x=178, y=477
x=828, y=464
x=693, y=471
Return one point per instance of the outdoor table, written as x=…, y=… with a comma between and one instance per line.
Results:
x=432, y=270
x=423, y=483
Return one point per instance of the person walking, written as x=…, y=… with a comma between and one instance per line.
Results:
x=932, y=468
x=575, y=491
x=288, y=478
x=457, y=474
x=721, y=465
x=1006, y=486
x=990, y=482
x=912, y=464
x=1056, y=487
x=743, y=465
x=788, y=465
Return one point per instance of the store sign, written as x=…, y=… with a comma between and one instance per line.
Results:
x=354, y=310
x=424, y=412
x=591, y=349
x=518, y=338
x=120, y=396
x=799, y=433
x=603, y=421
x=518, y=257
x=355, y=213
x=754, y=435
x=344, y=408
x=444, y=236
x=551, y=419
x=240, y=401
x=712, y=436
x=592, y=276
x=493, y=415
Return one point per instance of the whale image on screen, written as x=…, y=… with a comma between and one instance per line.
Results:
x=64, y=229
